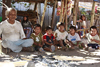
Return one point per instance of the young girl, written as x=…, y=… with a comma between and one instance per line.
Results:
x=61, y=35
x=27, y=26
x=82, y=24
x=37, y=38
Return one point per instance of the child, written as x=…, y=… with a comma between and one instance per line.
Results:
x=93, y=38
x=61, y=35
x=82, y=24
x=49, y=40
x=74, y=39
x=38, y=38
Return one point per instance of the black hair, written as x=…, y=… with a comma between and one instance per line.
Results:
x=93, y=27
x=48, y=28
x=26, y=19
x=37, y=25
x=73, y=27
x=61, y=24
x=82, y=16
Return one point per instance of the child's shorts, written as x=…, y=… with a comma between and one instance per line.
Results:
x=37, y=48
x=63, y=43
x=96, y=46
x=78, y=44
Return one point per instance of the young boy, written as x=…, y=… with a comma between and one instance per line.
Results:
x=49, y=40
x=37, y=38
x=74, y=39
x=93, y=38
x=61, y=35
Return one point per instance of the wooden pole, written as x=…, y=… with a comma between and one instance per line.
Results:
x=74, y=12
x=93, y=13
x=3, y=12
x=53, y=13
x=35, y=6
x=66, y=23
x=65, y=10
x=61, y=13
x=44, y=12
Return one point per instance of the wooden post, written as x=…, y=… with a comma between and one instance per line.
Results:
x=61, y=13
x=44, y=12
x=65, y=15
x=35, y=6
x=93, y=13
x=53, y=13
x=74, y=12
x=65, y=9
x=3, y=12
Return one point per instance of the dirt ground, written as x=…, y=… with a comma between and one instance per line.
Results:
x=76, y=58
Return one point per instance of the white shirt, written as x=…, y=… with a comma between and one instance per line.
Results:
x=61, y=35
x=83, y=23
x=12, y=32
x=89, y=37
x=74, y=38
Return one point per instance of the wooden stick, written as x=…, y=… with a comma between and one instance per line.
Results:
x=74, y=12
x=66, y=23
x=35, y=6
x=61, y=13
x=93, y=13
x=65, y=10
x=44, y=12
x=53, y=13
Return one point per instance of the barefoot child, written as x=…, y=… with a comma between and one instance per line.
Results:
x=74, y=39
x=93, y=38
x=49, y=40
x=38, y=38
x=61, y=35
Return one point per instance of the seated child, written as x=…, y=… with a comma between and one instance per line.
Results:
x=49, y=40
x=74, y=39
x=93, y=38
x=61, y=35
x=38, y=38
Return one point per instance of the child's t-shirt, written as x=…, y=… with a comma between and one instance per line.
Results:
x=61, y=35
x=89, y=37
x=48, y=39
x=73, y=38
x=37, y=38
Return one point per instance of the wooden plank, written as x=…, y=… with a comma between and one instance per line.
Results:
x=93, y=13
x=44, y=12
x=53, y=13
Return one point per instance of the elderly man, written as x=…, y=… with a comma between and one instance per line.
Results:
x=13, y=36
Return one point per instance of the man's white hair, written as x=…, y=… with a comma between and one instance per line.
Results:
x=8, y=11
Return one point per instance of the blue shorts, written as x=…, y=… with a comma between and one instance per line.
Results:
x=96, y=46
